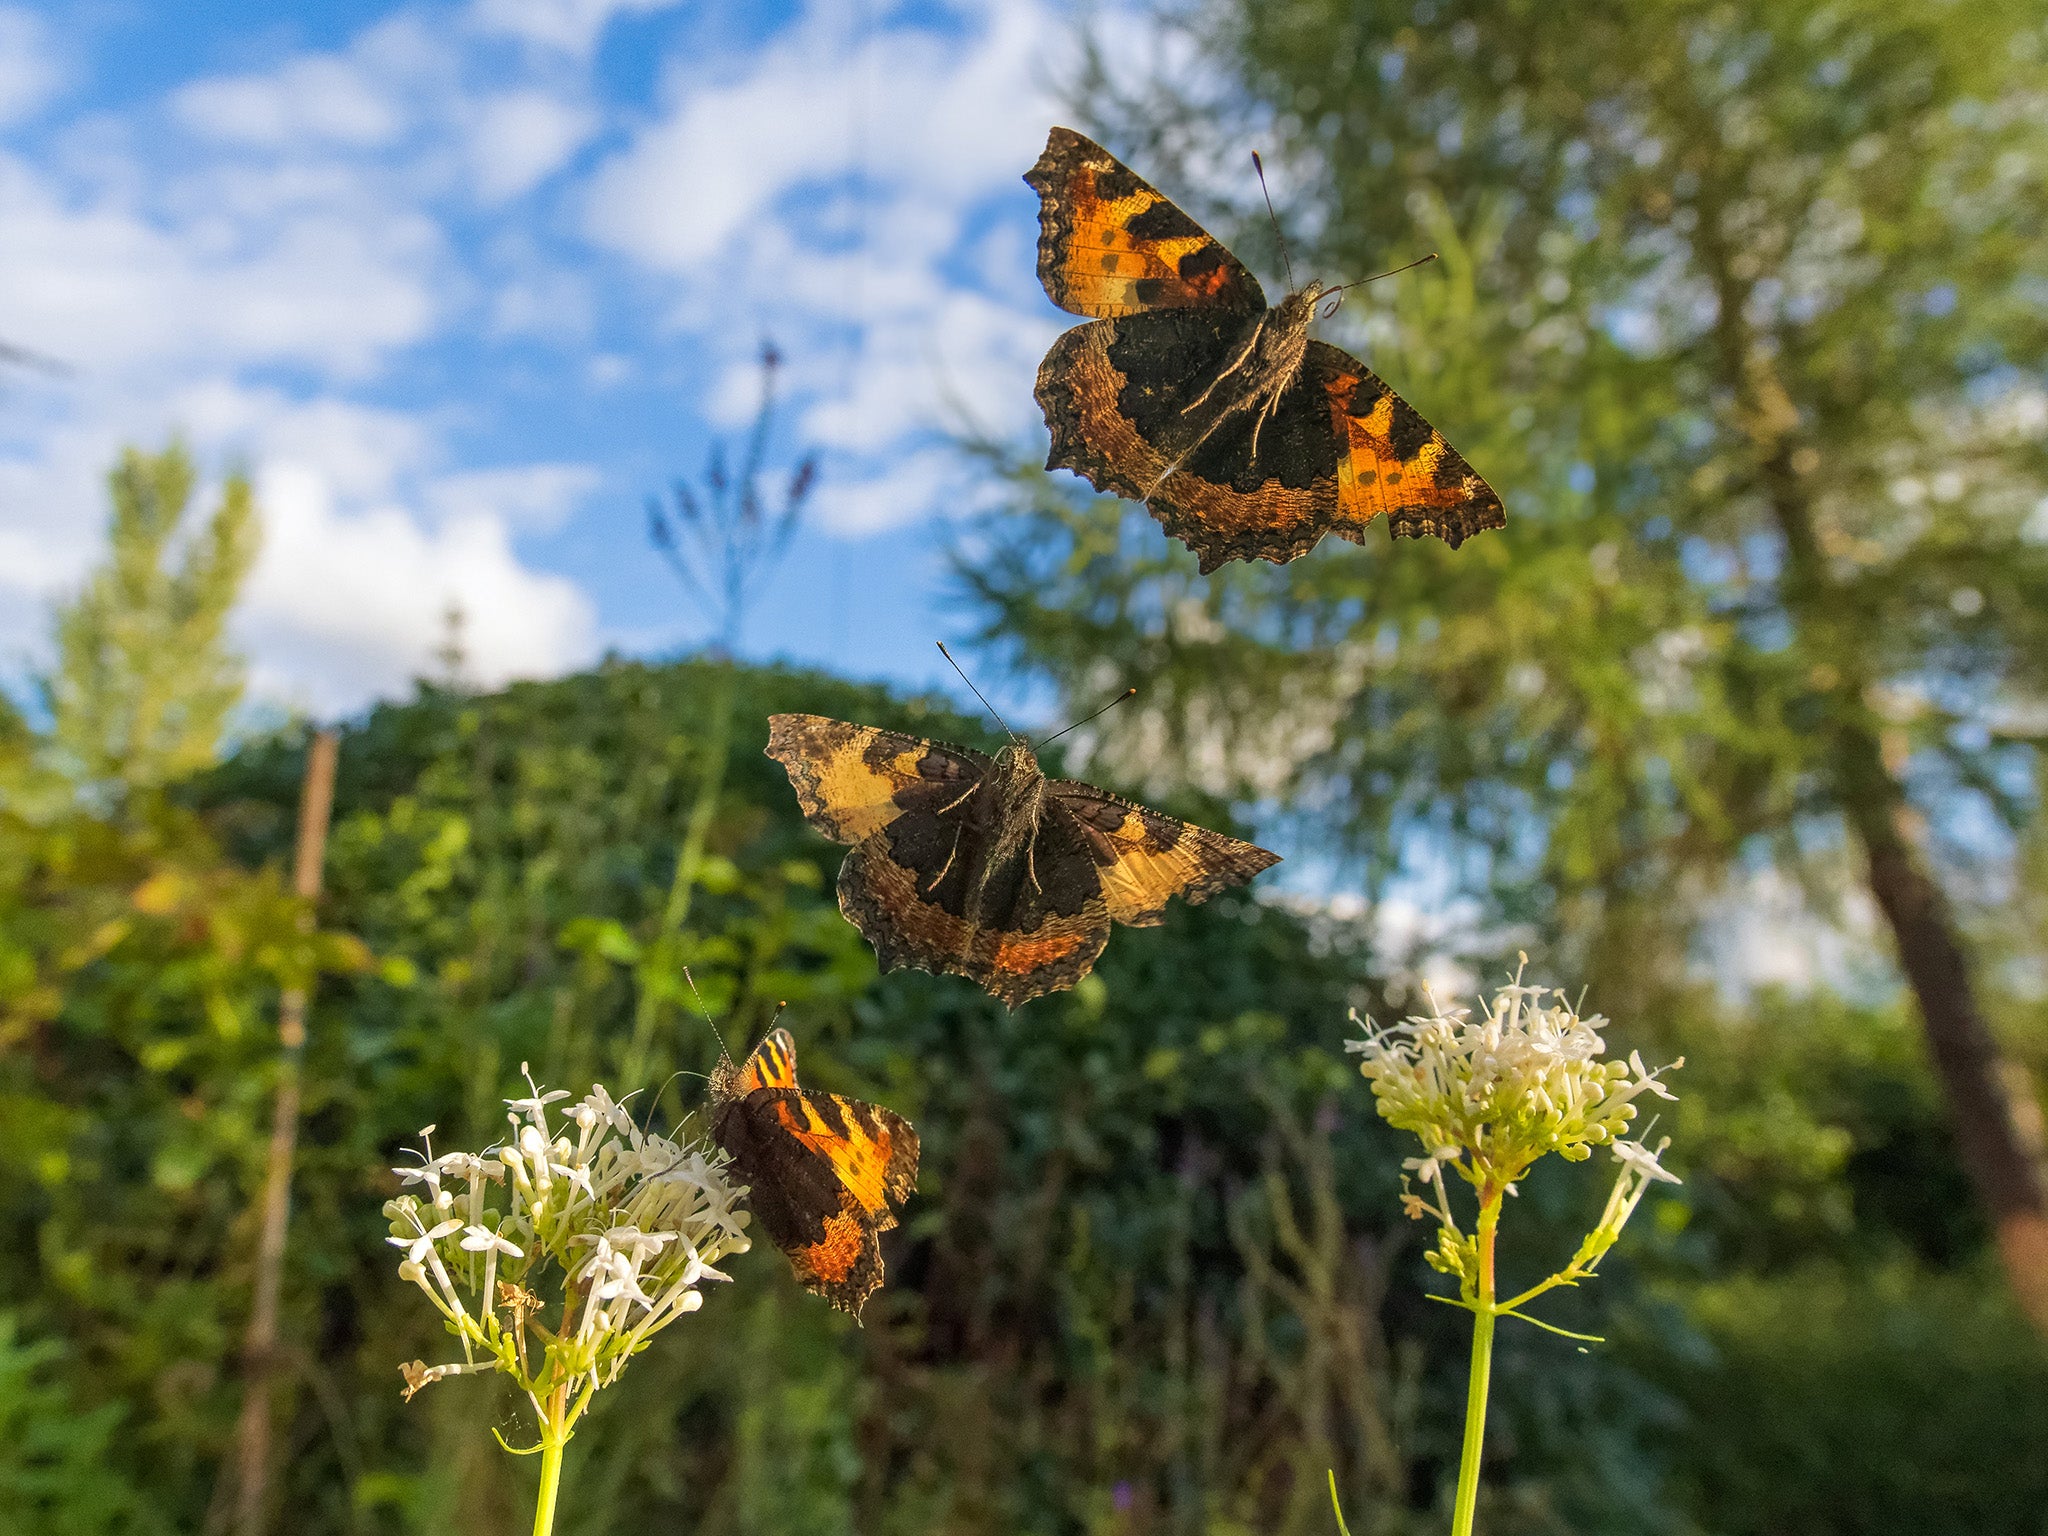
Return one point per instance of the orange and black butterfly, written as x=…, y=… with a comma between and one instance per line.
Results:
x=985, y=868
x=825, y=1174
x=1243, y=437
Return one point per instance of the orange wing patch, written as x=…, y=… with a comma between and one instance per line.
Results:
x=1392, y=461
x=773, y=1064
x=851, y=780
x=830, y=1264
x=1145, y=859
x=1111, y=244
x=865, y=1146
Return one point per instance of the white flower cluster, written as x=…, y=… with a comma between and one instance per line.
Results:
x=1490, y=1095
x=557, y=1255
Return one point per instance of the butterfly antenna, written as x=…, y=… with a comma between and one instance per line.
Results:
x=1420, y=261
x=1112, y=704
x=655, y=1103
x=976, y=691
x=723, y=1050
x=1278, y=238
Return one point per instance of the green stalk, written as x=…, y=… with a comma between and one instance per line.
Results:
x=550, y=1483
x=676, y=910
x=554, y=1438
x=1483, y=1317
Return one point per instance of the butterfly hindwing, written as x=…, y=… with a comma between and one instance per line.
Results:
x=1111, y=244
x=825, y=1174
x=927, y=894
x=1123, y=399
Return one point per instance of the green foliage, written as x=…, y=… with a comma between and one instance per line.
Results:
x=1155, y=1271
x=1891, y=1401
x=1739, y=307
x=1069, y=1328
x=1698, y=259
x=57, y=1472
x=145, y=682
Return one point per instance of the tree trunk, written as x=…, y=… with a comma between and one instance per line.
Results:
x=1992, y=1100
x=259, y=1349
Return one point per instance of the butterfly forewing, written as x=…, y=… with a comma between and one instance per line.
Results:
x=1144, y=858
x=1110, y=244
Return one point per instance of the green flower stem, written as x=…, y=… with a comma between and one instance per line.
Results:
x=1484, y=1312
x=682, y=885
x=553, y=1439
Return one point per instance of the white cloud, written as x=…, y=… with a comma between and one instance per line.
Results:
x=361, y=452
x=851, y=229
x=856, y=508
x=92, y=276
x=909, y=107
x=343, y=606
x=573, y=26
x=337, y=271
x=519, y=138
x=310, y=100
x=533, y=497
x=301, y=221
x=28, y=71
x=366, y=541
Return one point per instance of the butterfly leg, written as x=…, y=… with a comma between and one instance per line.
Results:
x=1208, y=432
x=1265, y=410
x=954, y=805
x=941, y=875
x=1244, y=355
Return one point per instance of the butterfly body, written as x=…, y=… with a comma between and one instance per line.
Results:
x=825, y=1174
x=997, y=821
x=1243, y=436
x=982, y=866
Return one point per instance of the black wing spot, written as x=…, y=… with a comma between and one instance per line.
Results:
x=1114, y=183
x=1201, y=261
x=1163, y=221
x=1408, y=434
x=1161, y=832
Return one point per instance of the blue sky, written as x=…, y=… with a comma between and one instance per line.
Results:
x=462, y=280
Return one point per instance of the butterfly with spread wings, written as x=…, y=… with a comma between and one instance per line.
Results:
x=1242, y=436
x=825, y=1174
x=983, y=867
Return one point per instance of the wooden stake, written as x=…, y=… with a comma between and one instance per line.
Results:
x=259, y=1349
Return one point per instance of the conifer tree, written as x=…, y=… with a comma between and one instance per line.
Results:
x=145, y=679
x=1740, y=310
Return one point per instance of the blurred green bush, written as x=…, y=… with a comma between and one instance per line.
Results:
x=1154, y=1281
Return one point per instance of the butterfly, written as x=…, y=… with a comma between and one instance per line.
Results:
x=1243, y=437
x=825, y=1174
x=983, y=867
